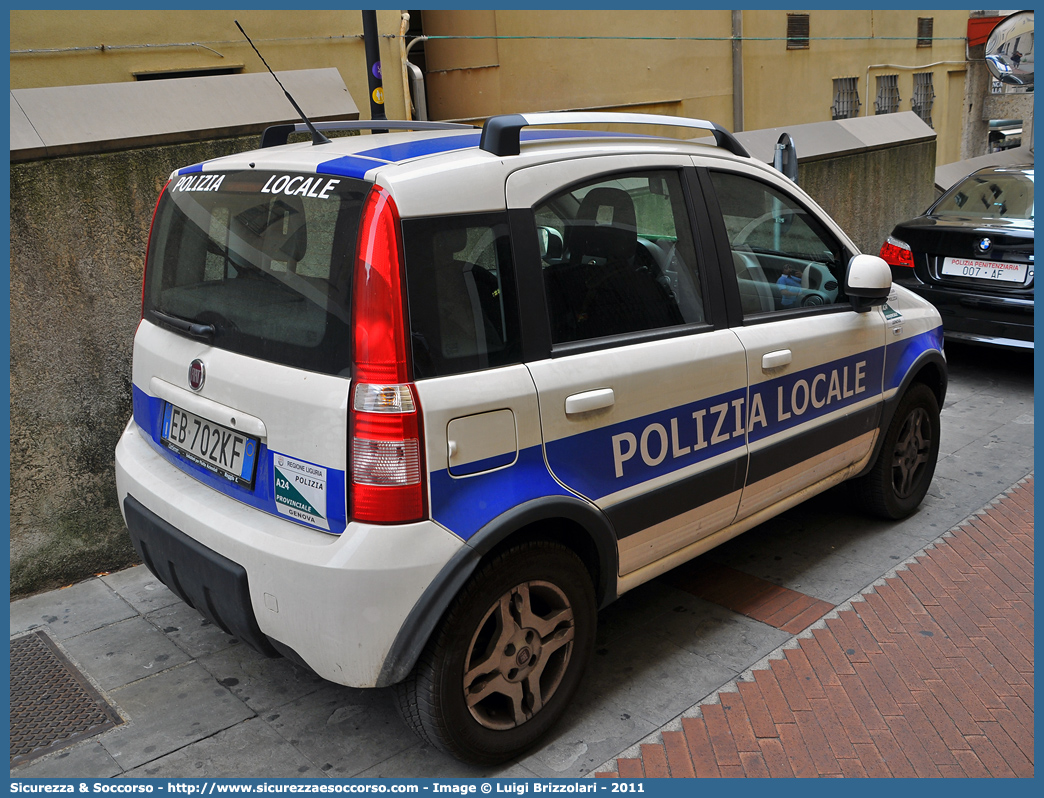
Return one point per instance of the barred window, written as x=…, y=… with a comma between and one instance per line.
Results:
x=923, y=96
x=887, y=101
x=924, y=31
x=846, y=98
x=797, y=31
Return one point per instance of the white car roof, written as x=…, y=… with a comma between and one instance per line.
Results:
x=445, y=171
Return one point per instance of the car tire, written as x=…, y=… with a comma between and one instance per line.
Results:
x=507, y=658
x=900, y=477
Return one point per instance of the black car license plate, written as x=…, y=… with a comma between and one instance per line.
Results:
x=223, y=451
x=985, y=270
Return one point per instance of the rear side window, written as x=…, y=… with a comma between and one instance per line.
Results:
x=463, y=315
x=618, y=257
x=264, y=259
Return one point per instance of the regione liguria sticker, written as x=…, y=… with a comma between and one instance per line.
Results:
x=300, y=491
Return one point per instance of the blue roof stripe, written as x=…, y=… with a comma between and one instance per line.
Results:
x=349, y=166
x=397, y=153
x=190, y=169
x=360, y=163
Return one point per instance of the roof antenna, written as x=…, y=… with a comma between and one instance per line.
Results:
x=317, y=137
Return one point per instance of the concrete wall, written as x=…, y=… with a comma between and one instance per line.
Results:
x=867, y=173
x=868, y=193
x=79, y=228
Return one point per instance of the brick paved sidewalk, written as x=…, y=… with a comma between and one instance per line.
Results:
x=927, y=673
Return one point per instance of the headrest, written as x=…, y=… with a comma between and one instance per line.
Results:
x=605, y=226
x=447, y=243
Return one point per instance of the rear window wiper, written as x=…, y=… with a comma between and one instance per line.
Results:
x=195, y=329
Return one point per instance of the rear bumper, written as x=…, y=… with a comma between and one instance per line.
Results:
x=337, y=602
x=977, y=318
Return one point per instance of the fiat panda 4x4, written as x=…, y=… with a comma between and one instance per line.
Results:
x=409, y=407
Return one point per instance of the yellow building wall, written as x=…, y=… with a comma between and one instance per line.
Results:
x=70, y=48
x=680, y=62
x=785, y=87
x=580, y=60
x=676, y=62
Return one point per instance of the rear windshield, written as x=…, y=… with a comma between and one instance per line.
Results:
x=993, y=195
x=258, y=263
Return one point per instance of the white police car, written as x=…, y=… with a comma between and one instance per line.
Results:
x=410, y=407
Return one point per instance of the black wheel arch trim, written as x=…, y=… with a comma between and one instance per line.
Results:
x=932, y=358
x=415, y=631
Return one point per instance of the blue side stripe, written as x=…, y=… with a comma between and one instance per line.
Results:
x=466, y=505
x=900, y=356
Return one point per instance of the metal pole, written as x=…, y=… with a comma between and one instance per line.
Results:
x=373, y=65
x=737, y=71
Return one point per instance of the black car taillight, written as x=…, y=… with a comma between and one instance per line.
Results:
x=897, y=253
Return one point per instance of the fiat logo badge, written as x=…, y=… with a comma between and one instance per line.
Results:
x=197, y=374
x=984, y=245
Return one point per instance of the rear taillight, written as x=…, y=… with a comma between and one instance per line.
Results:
x=897, y=253
x=385, y=451
x=148, y=247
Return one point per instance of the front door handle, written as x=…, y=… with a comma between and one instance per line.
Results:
x=589, y=400
x=773, y=360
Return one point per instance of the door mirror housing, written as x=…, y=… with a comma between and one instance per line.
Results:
x=868, y=282
x=552, y=246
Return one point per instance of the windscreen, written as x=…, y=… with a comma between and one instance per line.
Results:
x=259, y=263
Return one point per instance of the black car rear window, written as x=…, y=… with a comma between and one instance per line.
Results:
x=260, y=262
x=999, y=195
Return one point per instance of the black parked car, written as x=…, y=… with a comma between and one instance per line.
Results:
x=971, y=255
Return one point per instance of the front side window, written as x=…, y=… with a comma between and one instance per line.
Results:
x=784, y=258
x=258, y=263
x=463, y=315
x=618, y=257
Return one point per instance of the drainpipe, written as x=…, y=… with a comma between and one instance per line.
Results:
x=404, y=25
x=416, y=78
x=737, y=71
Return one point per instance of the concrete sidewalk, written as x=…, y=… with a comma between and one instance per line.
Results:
x=928, y=673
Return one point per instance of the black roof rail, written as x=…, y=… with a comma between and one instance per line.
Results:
x=500, y=134
x=277, y=135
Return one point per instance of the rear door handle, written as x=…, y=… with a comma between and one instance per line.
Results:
x=773, y=360
x=589, y=400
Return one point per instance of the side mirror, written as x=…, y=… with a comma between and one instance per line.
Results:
x=785, y=157
x=1009, y=50
x=551, y=244
x=868, y=282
